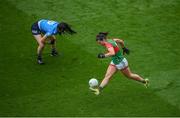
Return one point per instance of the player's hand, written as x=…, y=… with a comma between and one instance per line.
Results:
x=101, y=55
x=126, y=50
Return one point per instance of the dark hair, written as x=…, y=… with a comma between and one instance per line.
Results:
x=64, y=27
x=101, y=36
x=104, y=33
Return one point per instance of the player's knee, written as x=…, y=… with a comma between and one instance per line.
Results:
x=41, y=45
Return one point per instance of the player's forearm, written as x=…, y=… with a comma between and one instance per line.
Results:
x=102, y=55
x=109, y=54
x=121, y=42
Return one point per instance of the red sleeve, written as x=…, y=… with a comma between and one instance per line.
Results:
x=108, y=45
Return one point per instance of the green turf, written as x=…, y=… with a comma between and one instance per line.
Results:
x=60, y=88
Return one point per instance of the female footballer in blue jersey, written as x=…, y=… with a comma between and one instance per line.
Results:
x=43, y=30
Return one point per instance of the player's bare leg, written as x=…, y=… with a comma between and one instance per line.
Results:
x=110, y=72
x=53, y=46
x=127, y=72
x=40, y=48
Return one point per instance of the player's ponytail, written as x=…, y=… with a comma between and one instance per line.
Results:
x=104, y=33
x=64, y=27
x=101, y=36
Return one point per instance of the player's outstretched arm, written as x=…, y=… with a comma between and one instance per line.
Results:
x=110, y=53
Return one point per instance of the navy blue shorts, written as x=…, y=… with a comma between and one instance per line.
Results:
x=35, y=29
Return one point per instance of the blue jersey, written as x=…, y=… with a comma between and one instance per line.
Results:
x=48, y=27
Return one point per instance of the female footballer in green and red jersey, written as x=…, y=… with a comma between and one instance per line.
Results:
x=118, y=61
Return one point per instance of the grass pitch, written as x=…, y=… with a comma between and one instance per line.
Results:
x=150, y=29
